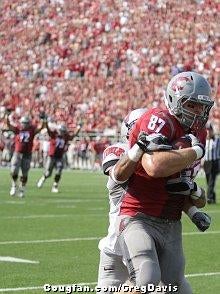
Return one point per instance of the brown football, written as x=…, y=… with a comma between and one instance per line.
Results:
x=181, y=143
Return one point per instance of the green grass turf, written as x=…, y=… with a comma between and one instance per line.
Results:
x=80, y=210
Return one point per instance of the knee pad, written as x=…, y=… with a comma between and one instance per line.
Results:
x=149, y=273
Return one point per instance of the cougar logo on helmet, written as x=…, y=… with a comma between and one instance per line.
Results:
x=180, y=83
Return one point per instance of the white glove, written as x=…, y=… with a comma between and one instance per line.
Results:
x=196, y=145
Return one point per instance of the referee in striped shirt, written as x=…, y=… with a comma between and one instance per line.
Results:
x=211, y=163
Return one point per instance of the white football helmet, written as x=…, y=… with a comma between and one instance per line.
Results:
x=25, y=121
x=62, y=129
x=193, y=87
x=129, y=122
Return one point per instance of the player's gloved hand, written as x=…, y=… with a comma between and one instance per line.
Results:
x=79, y=126
x=202, y=220
x=8, y=111
x=180, y=186
x=153, y=142
x=197, y=192
x=43, y=116
x=197, y=145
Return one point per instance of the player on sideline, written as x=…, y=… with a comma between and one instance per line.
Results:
x=150, y=227
x=112, y=270
x=58, y=145
x=24, y=136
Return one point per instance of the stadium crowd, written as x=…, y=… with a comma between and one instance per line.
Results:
x=93, y=61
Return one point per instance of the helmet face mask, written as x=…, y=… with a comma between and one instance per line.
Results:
x=129, y=122
x=25, y=122
x=185, y=88
x=192, y=120
x=61, y=130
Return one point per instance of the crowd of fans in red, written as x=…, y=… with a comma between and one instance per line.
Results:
x=93, y=61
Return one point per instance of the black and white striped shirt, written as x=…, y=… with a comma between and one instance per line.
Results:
x=212, y=149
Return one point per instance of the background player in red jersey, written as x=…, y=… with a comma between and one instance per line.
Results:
x=24, y=136
x=149, y=213
x=58, y=145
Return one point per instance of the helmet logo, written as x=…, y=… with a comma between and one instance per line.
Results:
x=179, y=84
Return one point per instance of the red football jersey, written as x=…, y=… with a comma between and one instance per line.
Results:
x=146, y=194
x=58, y=144
x=24, y=139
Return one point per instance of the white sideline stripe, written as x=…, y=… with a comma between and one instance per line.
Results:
x=66, y=206
x=200, y=233
x=53, y=201
x=73, y=200
x=14, y=202
x=14, y=259
x=50, y=216
x=34, y=216
x=95, y=283
x=50, y=241
x=96, y=208
x=202, y=275
x=213, y=211
x=87, y=239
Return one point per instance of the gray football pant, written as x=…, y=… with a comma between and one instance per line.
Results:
x=22, y=161
x=112, y=271
x=51, y=163
x=153, y=251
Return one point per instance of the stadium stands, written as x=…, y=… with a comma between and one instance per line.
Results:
x=92, y=61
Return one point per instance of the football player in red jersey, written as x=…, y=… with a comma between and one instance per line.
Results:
x=58, y=145
x=112, y=271
x=24, y=136
x=150, y=227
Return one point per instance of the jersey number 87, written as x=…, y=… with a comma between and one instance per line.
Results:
x=156, y=123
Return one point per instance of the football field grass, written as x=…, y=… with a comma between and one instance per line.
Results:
x=58, y=235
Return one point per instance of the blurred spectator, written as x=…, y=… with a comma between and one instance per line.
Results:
x=7, y=148
x=96, y=60
x=37, y=159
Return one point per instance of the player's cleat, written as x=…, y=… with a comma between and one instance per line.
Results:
x=54, y=189
x=21, y=192
x=13, y=191
x=41, y=182
x=211, y=201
